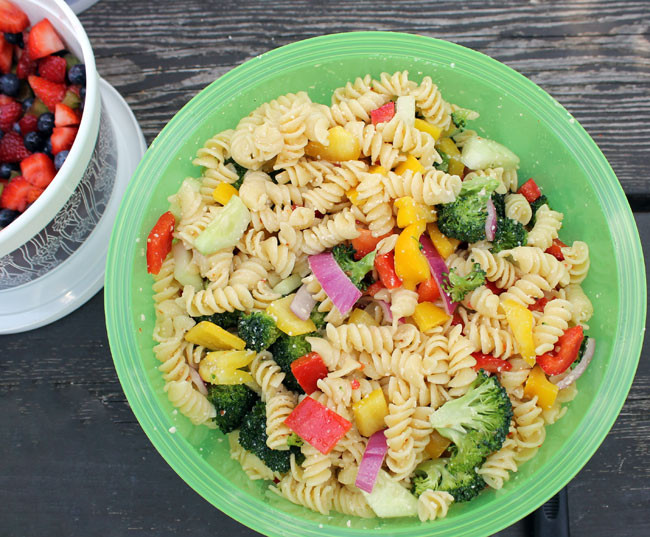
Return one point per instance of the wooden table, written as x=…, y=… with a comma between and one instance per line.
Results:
x=74, y=459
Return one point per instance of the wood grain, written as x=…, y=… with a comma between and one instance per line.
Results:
x=74, y=459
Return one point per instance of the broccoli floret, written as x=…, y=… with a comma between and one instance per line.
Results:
x=285, y=351
x=318, y=317
x=226, y=320
x=464, y=218
x=252, y=437
x=499, y=201
x=239, y=170
x=542, y=200
x=461, y=116
x=444, y=165
x=485, y=408
x=355, y=270
x=258, y=330
x=509, y=234
x=437, y=474
x=232, y=402
x=294, y=440
x=581, y=352
x=458, y=286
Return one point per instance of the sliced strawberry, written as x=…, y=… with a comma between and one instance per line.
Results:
x=18, y=194
x=48, y=92
x=9, y=114
x=64, y=116
x=75, y=88
x=26, y=66
x=53, y=68
x=12, y=148
x=28, y=123
x=6, y=55
x=38, y=169
x=43, y=40
x=12, y=18
x=62, y=138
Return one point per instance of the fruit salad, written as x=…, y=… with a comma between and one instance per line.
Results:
x=42, y=91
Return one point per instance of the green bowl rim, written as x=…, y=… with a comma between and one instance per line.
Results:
x=629, y=328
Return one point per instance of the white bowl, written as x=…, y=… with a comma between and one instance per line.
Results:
x=46, y=207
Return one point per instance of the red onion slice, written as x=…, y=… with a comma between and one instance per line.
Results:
x=439, y=270
x=371, y=462
x=341, y=291
x=385, y=308
x=581, y=367
x=490, y=221
x=303, y=303
x=198, y=381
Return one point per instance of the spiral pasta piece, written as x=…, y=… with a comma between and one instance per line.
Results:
x=429, y=101
x=518, y=208
x=278, y=407
x=434, y=504
x=533, y=260
x=251, y=464
x=581, y=307
x=531, y=432
x=487, y=335
x=373, y=145
x=352, y=90
x=400, y=457
x=330, y=232
x=461, y=363
x=576, y=257
x=356, y=109
x=497, y=269
x=361, y=337
x=267, y=374
x=526, y=290
x=374, y=205
x=216, y=299
x=547, y=224
x=507, y=178
x=432, y=188
x=394, y=85
x=317, y=468
x=553, y=323
x=350, y=501
x=483, y=301
x=497, y=467
x=318, y=498
x=410, y=140
x=191, y=403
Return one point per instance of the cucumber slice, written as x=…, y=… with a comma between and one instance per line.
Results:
x=186, y=272
x=389, y=499
x=405, y=109
x=288, y=285
x=226, y=229
x=480, y=153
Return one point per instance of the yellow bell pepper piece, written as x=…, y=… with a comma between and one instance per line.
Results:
x=359, y=316
x=376, y=168
x=521, y=322
x=447, y=145
x=427, y=127
x=213, y=337
x=456, y=167
x=437, y=445
x=411, y=163
x=286, y=320
x=223, y=192
x=353, y=196
x=538, y=385
x=427, y=315
x=445, y=245
x=342, y=146
x=223, y=367
x=369, y=413
x=411, y=265
x=410, y=212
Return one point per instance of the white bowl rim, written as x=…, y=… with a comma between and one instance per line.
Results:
x=41, y=212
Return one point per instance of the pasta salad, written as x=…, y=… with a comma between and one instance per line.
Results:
x=366, y=302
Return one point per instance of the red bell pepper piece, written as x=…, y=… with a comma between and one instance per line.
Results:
x=493, y=287
x=568, y=347
x=428, y=291
x=159, y=242
x=489, y=363
x=383, y=113
x=308, y=369
x=373, y=288
x=317, y=425
x=457, y=319
x=530, y=190
x=365, y=243
x=555, y=249
x=385, y=265
x=539, y=305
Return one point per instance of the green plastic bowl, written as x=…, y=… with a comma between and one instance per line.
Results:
x=553, y=148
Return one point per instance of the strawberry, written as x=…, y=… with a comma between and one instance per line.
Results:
x=6, y=55
x=64, y=116
x=28, y=123
x=12, y=148
x=159, y=242
x=18, y=194
x=9, y=114
x=53, y=68
x=43, y=40
x=62, y=138
x=26, y=66
x=48, y=92
x=75, y=88
x=12, y=18
x=38, y=169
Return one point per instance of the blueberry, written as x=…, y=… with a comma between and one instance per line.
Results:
x=82, y=92
x=15, y=39
x=45, y=123
x=34, y=142
x=6, y=169
x=48, y=148
x=27, y=103
x=16, y=128
x=77, y=74
x=59, y=159
x=9, y=84
x=7, y=216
